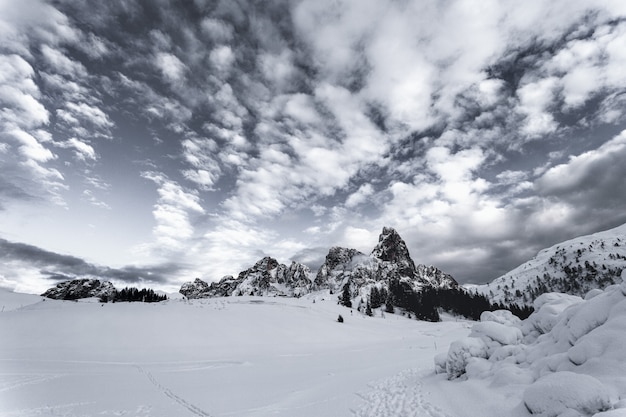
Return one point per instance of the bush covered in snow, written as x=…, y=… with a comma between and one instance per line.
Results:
x=569, y=354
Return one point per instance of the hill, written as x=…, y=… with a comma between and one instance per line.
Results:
x=573, y=267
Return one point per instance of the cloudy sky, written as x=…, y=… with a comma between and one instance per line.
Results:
x=154, y=141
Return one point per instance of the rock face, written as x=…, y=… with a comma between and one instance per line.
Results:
x=80, y=288
x=267, y=278
x=195, y=289
x=389, y=261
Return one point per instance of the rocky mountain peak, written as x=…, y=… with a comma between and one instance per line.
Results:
x=265, y=264
x=392, y=248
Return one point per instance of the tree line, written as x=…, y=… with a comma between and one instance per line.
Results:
x=426, y=303
x=132, y=294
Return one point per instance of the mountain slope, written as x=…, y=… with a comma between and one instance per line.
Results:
x=573, y=267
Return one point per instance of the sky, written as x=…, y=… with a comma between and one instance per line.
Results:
x=150, y=142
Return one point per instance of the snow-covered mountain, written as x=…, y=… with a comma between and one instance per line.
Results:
x=266, y=278
x=389, y=260
x=572, y=267
x=80, y=288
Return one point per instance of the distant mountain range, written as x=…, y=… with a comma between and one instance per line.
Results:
x=574, y=267
x=344, y=269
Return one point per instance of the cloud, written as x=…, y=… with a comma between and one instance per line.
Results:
x=590, y=184
x=61, y=64
x=45, y=267
x=19, y=94
x=360, y=196
x=172, y=69
x=173, y=213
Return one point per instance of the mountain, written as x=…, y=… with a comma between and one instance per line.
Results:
x=267, y=278
x=80, y=288
x=573, y=267
x=388, y=262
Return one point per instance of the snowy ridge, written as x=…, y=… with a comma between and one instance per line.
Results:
x=567, y=357
x=573, y=267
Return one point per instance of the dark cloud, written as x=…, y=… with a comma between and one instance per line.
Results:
x=57, y=267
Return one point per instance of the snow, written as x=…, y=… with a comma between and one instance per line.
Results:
x=254, y=356
x=566, y=359
x=561, y=392
x=233, y=356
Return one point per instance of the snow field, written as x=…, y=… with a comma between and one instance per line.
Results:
x=234, y=356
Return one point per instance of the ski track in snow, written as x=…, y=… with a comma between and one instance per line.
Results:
x=27, y=380
x=166, y=391
x=398, y=396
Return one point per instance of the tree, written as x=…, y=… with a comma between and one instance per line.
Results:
x=340, y=319
x=345, y=298
x=389, y=308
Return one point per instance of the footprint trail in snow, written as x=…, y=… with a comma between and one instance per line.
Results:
x=398, y=396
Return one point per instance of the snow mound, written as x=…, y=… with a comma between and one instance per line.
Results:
x=460, y=354
x=565, y=392
x=566, y=359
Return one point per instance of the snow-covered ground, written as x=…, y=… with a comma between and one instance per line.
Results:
x=252, y=356
x=236, y=356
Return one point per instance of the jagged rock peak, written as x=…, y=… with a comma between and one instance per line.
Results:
x=80, y=288
x=392, y=248
x=338, y=255
x=265, y=264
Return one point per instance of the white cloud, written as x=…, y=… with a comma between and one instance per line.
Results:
x=222, y=58
x=217, y=30
x=172, y=69
x=82, y=150
x=74, y=113
x=30, y=147
x=173, y=213
x=19, y=94
x=61, y=64
x=360, y=196
x=535, y=98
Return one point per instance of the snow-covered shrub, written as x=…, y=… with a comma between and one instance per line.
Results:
x=548, y=308
x=460, y=352
x=566, y=392
x=440, y=363
x=501, y=334
x=500, y=316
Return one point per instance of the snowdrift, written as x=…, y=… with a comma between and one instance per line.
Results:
x=566, y=359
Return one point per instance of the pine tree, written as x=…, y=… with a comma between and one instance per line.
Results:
x=345, y=296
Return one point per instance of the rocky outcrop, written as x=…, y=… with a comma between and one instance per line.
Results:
x=267, y=277
x=195, y=289
x=81, y=288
